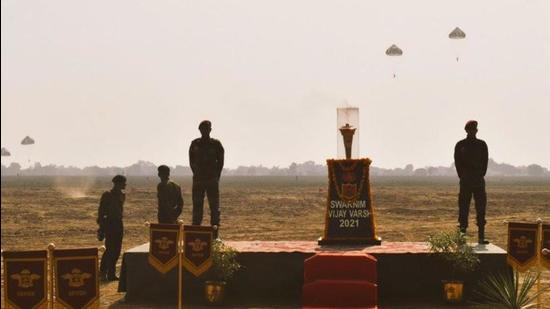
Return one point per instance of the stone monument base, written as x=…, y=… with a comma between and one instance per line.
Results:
x=273, y=273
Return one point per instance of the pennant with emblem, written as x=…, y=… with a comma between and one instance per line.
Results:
x=545, y=243
x=25, y=279
x=197, y=252
x=76, y=278
x=522, y=245
x=163, y=246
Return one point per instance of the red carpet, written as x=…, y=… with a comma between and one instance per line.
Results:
x=333, y=280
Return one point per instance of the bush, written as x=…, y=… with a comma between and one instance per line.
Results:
x=224, y=261
x=453, y=248
x=505, y=291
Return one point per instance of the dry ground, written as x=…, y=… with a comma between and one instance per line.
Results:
x=62, y=210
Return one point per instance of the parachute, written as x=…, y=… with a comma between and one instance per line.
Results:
x=5, y=152
x=27, y=141
x=394, y=51
x=457, y=34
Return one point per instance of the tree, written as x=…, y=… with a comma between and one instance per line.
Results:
x=535, y=170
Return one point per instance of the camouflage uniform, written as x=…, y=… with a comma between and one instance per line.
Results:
x=170, y=202
x=110, y=224
x=206, y=159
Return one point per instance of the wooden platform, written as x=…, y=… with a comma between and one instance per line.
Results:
x=273, y=272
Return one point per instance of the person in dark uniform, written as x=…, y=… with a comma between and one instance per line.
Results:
x=471, y=159
x=170, y=201
x=206, y=161
x=110, y=227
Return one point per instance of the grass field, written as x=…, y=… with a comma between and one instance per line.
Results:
x=40, y=210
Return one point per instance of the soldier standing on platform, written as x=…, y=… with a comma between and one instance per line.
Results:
x=110, y=227
x=206, y=156
x=471, y=158
x=170, y=201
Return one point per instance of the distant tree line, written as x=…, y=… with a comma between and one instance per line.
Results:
x=308, y=168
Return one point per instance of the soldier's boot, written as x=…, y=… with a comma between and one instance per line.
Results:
x=481, y=236
x=215, y=231
x=102, y=276
x=462, y=229
x=111, y=275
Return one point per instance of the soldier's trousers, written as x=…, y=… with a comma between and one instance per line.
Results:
x=211, y=189
x=166, y=218
x=113, y=244
x=480, y=200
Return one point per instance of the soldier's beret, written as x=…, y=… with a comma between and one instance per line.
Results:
x=471, y=124
x=163, y=169
x=205, y=123
x=119, y=179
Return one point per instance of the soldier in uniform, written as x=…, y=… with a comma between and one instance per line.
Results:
x=471, y=159
x=170, y=201
x=206, y=161
x=110, y=227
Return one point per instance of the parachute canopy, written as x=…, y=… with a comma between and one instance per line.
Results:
x=394, y=51
x=27, y=141
x=5, y=152
x=457, y=34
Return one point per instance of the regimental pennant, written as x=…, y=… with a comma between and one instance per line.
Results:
x=76, y=279
x=163, y=246
x=522, y=245
x=197, y=252
x=545, y=243
x=25, y=279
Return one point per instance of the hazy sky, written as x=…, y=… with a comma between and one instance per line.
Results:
x=113, y=82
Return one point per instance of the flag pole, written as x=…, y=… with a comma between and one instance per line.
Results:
x=180, y=270
x=50, y=259
x=539, y=254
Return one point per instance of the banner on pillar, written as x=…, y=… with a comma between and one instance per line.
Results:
x=76, y=279
x=522, y=245
x=197, y=252
x=349, y=216
x=25, y=279
x=163, y=246
x=545, y=243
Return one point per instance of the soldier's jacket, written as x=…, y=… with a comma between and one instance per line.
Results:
x=170, y=201
x=110, y=207
x=206, y=159
x=471, y=159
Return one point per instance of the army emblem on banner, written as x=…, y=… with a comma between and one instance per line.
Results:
x=25, y=284
x=25, y=279
x=522, y=245
x=545, y=243
x=349, y=191
x=76, y=280
x=197, y=254
x=163, y=246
